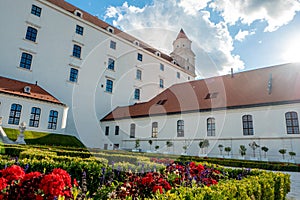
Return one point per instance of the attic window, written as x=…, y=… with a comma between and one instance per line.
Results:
x=110, y=29
x=211, y=95
x=174, y=62
x=137, y=43
x=27, y=89
x=78, y=13
x=158, y=53
x=161, y=102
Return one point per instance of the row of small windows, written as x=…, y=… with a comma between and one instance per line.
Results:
x=292, y=126
x=15, y=115
x=117, y=129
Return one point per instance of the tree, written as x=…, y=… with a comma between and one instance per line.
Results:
x=221, y=149
x=227, y=149
x=265, y=149
x=282, y=151
x=150, y=143
x=137, y=143
x=243, y=150
x=292, y=154
x=156, y=147
x=253, y=146
x=203, y=144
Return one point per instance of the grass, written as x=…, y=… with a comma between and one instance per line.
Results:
x=42, y=138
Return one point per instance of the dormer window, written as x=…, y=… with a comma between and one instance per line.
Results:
x=78, y=13
x=110, y=29
x=137, y=43
x=158, y=53
x=211, y=95
x=27, y=89
x=174, y=62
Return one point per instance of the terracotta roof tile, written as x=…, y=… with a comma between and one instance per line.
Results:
x=14, y=87
x=244, y=89
x=181, y=34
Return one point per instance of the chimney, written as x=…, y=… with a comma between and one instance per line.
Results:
x=231, y=72
x=36, y=83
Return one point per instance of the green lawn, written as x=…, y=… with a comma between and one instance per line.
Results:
x=42, y=138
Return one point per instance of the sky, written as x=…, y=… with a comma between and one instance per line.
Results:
x=225, y=34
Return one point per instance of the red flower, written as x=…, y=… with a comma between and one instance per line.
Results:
x=157, y=187
x=75, y=182
x=64, y=175
x=13, y=173
x=30, y=176
x=3, y=183
x=52, y=185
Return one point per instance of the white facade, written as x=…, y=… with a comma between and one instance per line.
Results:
x=53, y=60
x=6, y=102
x=269, y=125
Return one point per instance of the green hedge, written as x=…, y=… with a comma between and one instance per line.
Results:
x=264, y=186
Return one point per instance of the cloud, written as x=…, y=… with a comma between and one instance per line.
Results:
x=192, y=7
x=241, y=35
x=159, y=23
x=275, y=12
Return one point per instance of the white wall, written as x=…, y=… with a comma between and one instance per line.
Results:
x=269, y=130
x=52, y=61
x=27, y=104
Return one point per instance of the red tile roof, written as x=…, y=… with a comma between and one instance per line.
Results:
x=266, y=86
x=181, y=34
x=96, y=21
x=14, y=87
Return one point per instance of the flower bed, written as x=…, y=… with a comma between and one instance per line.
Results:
x=179, y=180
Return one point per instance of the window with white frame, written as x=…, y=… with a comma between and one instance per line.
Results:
x=52, y=122
x=132, y=130
x=292, y=123
x=138, y=74
x=15, y=114
x=154, y=130
x=247, y=125
x=211, y=126
x=35, y=117
x=180, y=128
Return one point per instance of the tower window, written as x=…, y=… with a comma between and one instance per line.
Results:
x=107, y=130
x=26, y=60
x=109, y=86
x=138, y=74
x=73, y=75
x=161, y=67
x=178, y=75
x=140, y=57
x=79, y=30
x=132, y=130
x=154, y=130
x=35, y=10
x=31, y=34
x=137, y=94
x=113, y=44
x=161, y=83
x=111, y=64
x=76, y=51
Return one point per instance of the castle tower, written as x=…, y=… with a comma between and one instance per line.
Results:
x=182, y=52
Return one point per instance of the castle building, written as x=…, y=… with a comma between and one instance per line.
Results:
x=85, y=63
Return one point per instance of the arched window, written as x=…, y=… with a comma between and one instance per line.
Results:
x=132, y=130
x=211, y=126
x=52, y=123
x=180, y=128
x=154, y=129
x=247, y=125
x=15, y=114
x=137, y=93
x=35, y=117
x=292, y=123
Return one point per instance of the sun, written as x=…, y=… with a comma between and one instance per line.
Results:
x=291, y=52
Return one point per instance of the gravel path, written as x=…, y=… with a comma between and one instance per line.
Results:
x=294, y=194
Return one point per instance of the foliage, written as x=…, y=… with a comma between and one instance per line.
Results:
x=227, y=149
x=292, y=154
x=169, y=143
x=137, y=143
x=265, y=149
x=282, y=151
x=220, y=146
x=243, y=150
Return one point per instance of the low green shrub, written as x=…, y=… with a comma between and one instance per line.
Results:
x=266, y=185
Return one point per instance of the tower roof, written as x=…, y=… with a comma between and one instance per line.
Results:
x=181, y=34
